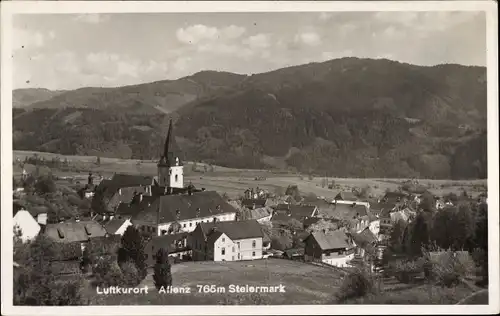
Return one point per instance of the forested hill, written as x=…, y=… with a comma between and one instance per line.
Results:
x=345, y=117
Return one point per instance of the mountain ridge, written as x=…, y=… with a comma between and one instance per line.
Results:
x=349, y=116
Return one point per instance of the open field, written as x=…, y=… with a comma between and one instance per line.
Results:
x=303, y=283
x=235, y=181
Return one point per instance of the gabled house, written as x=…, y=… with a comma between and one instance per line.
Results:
x=79, y=232
x=181, y=213
x=116, y=226
x=261, y=215
x=227, y=241
x=175, y=244
x=24, y=223
x=334, y=248
x=298, y=212
x=253, y=203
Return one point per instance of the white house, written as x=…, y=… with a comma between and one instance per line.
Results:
x=334, y=248
x=227, y=241
x=25, y=224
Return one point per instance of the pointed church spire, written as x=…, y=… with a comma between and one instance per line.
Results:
x=170, y=151
x=168, y=141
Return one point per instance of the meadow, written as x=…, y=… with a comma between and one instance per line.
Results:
x=234, y=182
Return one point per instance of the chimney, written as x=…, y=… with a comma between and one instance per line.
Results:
x=214, y=229
x=140, y=197
x=178, y=214
x=111, y=217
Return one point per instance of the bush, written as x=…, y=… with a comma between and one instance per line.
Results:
x=107, y=274
x=130, y=275
x=356, y=284
x=449, y=268
x=406, y=270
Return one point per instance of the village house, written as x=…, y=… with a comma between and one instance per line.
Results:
x=253, y=203
x=298, y=212
x=261, y=215
x=334, y=248
x=26, y=226
x=75, y=232
x=394, y=197
x=346, y=197
x=181, y=213
x=175, y=244
x=227, y=241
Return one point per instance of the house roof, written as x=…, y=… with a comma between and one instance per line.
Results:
x=364, y=238
x=341, y=210
x=249, y=203
x=113, y=225
x=332, y=240
x=296, y=211
x=259, y=213
x=168, y=242
x=134, y=207
x=197, y=205
x=235, y=230
x=395, y=195
x=346, y=196
x=74, y=231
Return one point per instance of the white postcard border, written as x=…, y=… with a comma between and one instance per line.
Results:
x=32, y=7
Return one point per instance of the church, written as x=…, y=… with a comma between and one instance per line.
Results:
x=163, y=204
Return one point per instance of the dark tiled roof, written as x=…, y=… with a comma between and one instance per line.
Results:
x=74, y=231
x=235, y=230
x=332, y=240
x=113, y=225
x=298, y=212
x=134, y=207
x=249, y=203
x=126, y=181
x=346, y=196
x=170, y=242
x=209, y=203
x=364, y=238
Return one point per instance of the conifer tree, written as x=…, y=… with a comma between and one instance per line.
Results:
x=132, y=248
x=162, y=276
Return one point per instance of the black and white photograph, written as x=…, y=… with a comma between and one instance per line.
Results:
x=249, y=157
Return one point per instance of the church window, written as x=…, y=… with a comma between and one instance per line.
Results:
x=176, y=178
x=223, y=252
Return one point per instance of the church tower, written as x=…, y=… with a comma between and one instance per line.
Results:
x=170, y=167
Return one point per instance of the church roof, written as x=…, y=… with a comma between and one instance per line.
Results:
x=171, y=151
x=209, y=203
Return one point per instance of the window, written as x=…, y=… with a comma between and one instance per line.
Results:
x=233, y=248
x=254, y=244
x=238, y=245
x=184, y=225
x=253, y=253
x=223, y=239
x=190, y=224
x=233, y=258
x=223, y=251
x=176, y=178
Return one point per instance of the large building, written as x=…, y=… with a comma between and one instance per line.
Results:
x=227, y=241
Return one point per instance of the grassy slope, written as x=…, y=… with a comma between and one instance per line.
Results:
x=304, y=283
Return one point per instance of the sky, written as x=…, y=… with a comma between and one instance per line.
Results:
x=69, y=51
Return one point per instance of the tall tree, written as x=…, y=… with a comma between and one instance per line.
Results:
x=464, y=228
x=162, y=275
x=420, y=237
x=443, y=228
x=132, y=248
x=396, y=236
